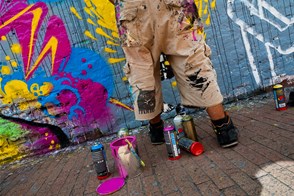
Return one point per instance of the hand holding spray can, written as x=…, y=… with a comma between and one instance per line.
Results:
x=171, y=142
x=100, y=162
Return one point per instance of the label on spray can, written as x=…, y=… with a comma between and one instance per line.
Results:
x=186, y=143
x=100, y=163
x=172, y=147
x=279, y=97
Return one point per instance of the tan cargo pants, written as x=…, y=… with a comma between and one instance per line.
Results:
x=149, y=27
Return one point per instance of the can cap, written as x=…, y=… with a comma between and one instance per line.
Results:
x=196, y=148
x=96, y=147
x=110, y=186
x=278, y=86
x=169, y=128
x=186, y=118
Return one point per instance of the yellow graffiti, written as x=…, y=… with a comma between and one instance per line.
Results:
x=36, y=19
x=116, y=102
x=88, y=11
x=125, y=78
x=203, y=9
x=101, y=32
x=75, y=12
x=16, y=48
x=7, y=58
x=13, y=64
x=89, y=34
x=7, y=150
x=5, y=70
x=109, y=50
x=17, y=92
x=50, y=45
x=174, y=84
x=111, y=43
x=90, y=21
x=116, y=60
x=3, y=38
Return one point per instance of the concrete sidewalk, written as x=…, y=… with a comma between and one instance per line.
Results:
x=262, y=163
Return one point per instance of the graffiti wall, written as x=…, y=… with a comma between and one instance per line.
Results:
x=61, y=79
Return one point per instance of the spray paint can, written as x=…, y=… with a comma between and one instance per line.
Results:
x=179, y=126
x=100, y=162
x=279, y=97
x=123, y=132
x=189, y=127
x=195, y=148
x=170, y=136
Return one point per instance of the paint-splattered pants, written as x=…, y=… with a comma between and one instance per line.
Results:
x=149, y=27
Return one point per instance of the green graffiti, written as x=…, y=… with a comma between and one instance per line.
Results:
x=11, y=135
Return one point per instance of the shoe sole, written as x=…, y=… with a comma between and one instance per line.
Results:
x=230, y=145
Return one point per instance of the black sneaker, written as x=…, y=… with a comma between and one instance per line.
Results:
x=156, y=133
x=227, y=134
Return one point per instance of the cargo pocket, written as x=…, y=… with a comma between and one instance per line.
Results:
x=128, y=23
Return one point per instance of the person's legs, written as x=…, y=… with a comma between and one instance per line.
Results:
x=227, y=134
x=196, y=78
x=135, y=23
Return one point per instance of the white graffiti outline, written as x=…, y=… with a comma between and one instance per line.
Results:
x=246, y=28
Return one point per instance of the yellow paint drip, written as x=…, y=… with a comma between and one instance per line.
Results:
x=125, y=78
x=212, y=4
x=88, y=3
x=90, y=21
x=115, y=60
x=16, y=48
x=207, y=21
x=107, y=25
x=115, y=34
x=3, y=38
x=101, y=32
x=13, y=63
x=174, y=84
x=75, y=12
x=5, y=70
x=109, y=50
x=89, y=34
x=112, y=43
x=7, y=58
x=88, y=11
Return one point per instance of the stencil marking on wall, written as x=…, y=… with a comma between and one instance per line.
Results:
x=265, y=13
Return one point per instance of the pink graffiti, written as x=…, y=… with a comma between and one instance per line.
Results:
x=26, y=20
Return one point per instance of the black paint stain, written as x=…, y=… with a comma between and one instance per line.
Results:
x=198, y=82
x=146, y=101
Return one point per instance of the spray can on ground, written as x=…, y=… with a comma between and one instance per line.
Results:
x=195, y=148
x=123, y=132
x=171, y=143
x=178, y=120
x=179, y=126
x=279, y=97
x=100, y=162
x=189, y=128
